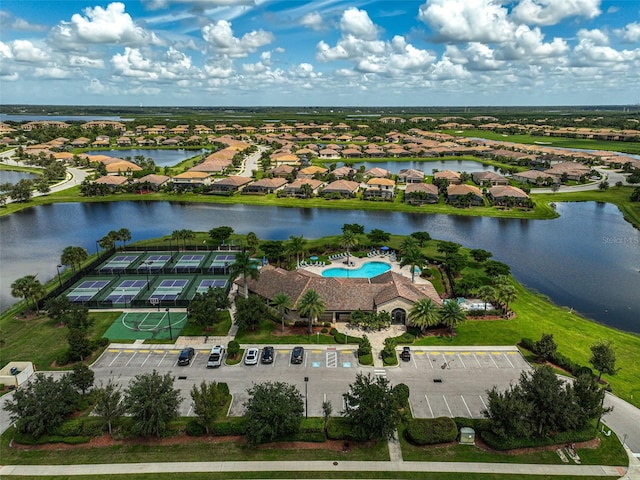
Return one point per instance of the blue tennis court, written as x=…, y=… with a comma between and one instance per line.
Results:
x=213, y=283
x=126, y=291
x=119, y=263
x=225, y=258
x=154, y=262
x=86, y=290
x=169, y=289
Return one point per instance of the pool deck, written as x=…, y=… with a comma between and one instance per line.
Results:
x=358, y=262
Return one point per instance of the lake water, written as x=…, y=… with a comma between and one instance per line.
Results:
x=12, y=176
x=162, y=158
x=425, y=166
x=588, y=259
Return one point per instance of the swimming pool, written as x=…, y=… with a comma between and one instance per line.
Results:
x=367, y=270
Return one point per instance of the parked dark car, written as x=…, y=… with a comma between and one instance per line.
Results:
x=297, y=355
x=186, y=355
x=405, y=355
x=267, y=355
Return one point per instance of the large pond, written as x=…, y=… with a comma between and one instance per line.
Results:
x=161, y=157
x=588, y=259
x=427, y=166
x=11, y=176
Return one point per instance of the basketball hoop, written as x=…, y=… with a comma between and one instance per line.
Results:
x=155, y=301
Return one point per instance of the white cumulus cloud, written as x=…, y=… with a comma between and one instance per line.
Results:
x=220, y=39
x=630, y=33
x=312, y=20
x=551, y=12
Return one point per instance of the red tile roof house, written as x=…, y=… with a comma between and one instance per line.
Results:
x=344, y=172
x=390, y=292
x=421, y=193
x=379, y=172
x=410, y=175
x=383, y=188
x=311, y=171
x=452, y=177
x=508, y=195
x=264, y=186
x=191, y=180
x=537, y=177
x=342, y=188
x=294, y=189
x=282, y=171
x=461, y=194
x=212, y=166
x=112, y=181
x=229, y=185
x=152, y=182
x=489, y=179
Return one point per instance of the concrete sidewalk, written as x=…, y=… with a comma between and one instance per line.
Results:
x=315, y=466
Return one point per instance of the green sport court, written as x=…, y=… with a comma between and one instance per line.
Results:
x=151, y=279
x=165, y=325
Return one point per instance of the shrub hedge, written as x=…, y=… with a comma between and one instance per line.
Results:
x=230, y=426
x=83, y=426
x=339, y=429
x=478, y=424
x=430, y=431
x=558, y=359
x=342, y=338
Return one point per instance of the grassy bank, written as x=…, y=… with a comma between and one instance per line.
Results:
x=337, y=474
x=624, y=147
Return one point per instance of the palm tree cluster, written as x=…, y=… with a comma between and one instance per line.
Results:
x=29, y=288
x=73, y=257
x=426, y=313
x=412, y=255
x=109, y=240
x=183, y=235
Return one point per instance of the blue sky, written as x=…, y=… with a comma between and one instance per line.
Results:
x=320, y=53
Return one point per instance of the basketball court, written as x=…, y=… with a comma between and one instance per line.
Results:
x=164, y=325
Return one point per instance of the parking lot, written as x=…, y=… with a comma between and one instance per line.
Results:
x=442, y=382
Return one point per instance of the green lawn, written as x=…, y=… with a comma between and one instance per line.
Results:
x=626, y=147
x=265, y=334
x=39, y=340
x=337, y=474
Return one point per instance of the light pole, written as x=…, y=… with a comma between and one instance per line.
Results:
x=58, y=269
x=148, y=264
x=306, y=398
x=169, y=318
x=97, y=247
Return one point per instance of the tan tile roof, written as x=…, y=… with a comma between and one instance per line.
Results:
x=421, y=187
x=507, y=191
x=234, y=180
x=341, y=186
x=463, y=190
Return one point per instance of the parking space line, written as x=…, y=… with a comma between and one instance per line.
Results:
x=512, y=366
x=193, y=360
x=113, y=350
x=332, y=359
x=413, y=359
x=429, y=360
x=132, y=357
x=159, y=351
x=379, y=372
x=145, y=360
x=190, y=408
x=466, y=406
x=113, y=361
x=429, y=405
x=463, y=365
x=447, y=404
x=494, y=362
x=477, y=361
x=165, y=354
x=482, y=400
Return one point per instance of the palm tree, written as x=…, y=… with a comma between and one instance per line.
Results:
x=310, y=306
x=253, y=242
x=246, y=268
x=187, y=235
x=29, y=288
x=109, y=240
x=296, y=246
x=451, y=314
x=283, y=304
x=348, y=240
x=488, y=295
x=177, y=236
x=424, y=313
x=412, y=256
x=124, y=235
x=506, y=293
x=73, y=257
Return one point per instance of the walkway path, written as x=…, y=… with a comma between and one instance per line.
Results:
x=611, y=176
x=312, y=466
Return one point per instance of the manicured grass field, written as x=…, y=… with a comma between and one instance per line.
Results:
x=337, y=474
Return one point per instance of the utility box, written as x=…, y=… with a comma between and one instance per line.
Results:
x=467, y=436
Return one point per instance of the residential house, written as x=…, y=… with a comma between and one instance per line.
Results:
x=508, y=195
x=190, y=180
x=294, y=189
x=328, y=153
x=489, y=179
x=265, y=186
x=344, y=172
x=311, y=171
x=111, y=181
x=420, y=193
x=343, y=188
x=151, y=182
x=378, y=172
x=537, y=177
x=410, y=175
x=452, y=177
x=383, y=188
x=282, y=171
x=229, y=185
x=570, y=170
x=464, y=195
